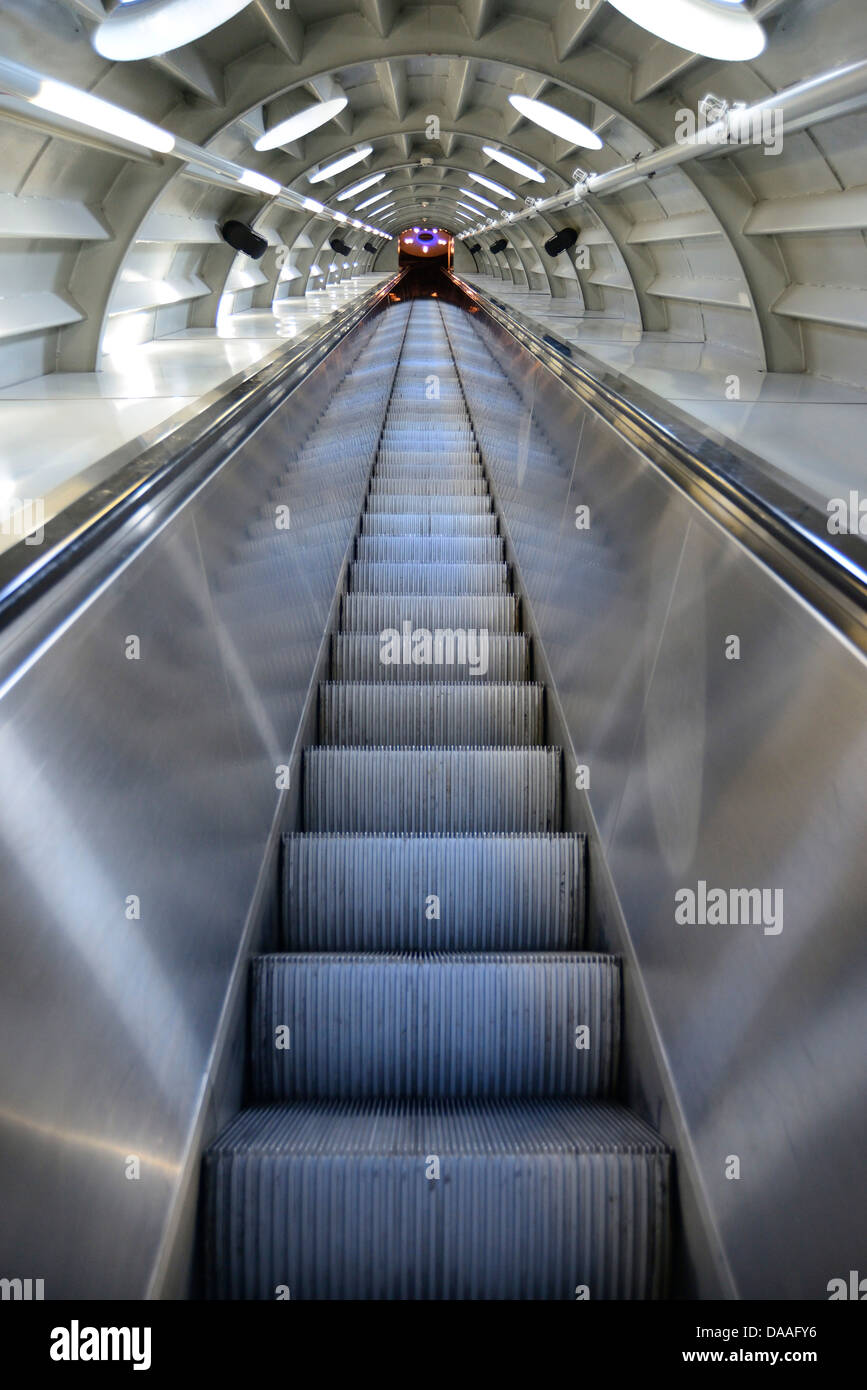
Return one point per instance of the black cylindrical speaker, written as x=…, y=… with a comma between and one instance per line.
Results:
x=562, y=241
x=369, y=246
x=339, y=246
x=499, y=246
x=242, y=238
x=475, y=248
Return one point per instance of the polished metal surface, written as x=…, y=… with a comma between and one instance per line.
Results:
x=132, y=484
x=740, y=490
x=553, y=1210
x=737, y=765
x=145, y=723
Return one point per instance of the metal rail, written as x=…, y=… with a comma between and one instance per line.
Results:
x=153, y=485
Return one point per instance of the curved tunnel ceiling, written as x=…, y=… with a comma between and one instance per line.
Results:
x=758, y=249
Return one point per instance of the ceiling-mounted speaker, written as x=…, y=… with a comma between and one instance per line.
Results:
x=370, y=248
x=242, y=238
x=339, y=246
x=499, y=246
x=475, y=248
x=562, y=241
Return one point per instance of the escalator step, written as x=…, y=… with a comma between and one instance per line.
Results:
x=428, y=579
x=430, y=550
x=434, y=1025
x=375, y=892
x=432, y=789
x=354, y=714
x=458, y=1200
x=359, y=657
x=496, y=614
x=408, y=501
x=434, y=487
x=442, y=524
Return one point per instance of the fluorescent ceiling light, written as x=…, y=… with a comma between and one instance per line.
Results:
x=470, y=208
x=346, y=161
x=485, y=202
x=301, y=124
x=375, y=199
x=311, y=205
x=250, y=179
x=549, y=118
x=714, y=28
x=517, y=166
x=384, y=206
x=494, y=187
x=359, y=187
x=134, y=31
x=100, y=115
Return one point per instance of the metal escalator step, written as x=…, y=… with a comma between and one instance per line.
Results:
x=365, y=657
x=430, y=550
x=372, y=892
x=433, y=487
x=434, y=524
x=422, y=502
x=467, y=469
x=369, y=613
x=456, y=1200
x=434, y=1025
x=428, y=579
x=359, y=713
x=432, y=789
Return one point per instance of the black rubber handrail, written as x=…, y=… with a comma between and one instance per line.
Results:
x=749, y=497
x=162, y=477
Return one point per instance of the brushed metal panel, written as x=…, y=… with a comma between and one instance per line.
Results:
x=154, y=779
x=744, y=773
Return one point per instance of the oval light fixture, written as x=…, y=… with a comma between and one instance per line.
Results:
x=301, y=124
x=368, y=202
x=138, y=29
x=346, y=161
x=477, y=197
x=549, y=118
x=494, y=187
x=360, y=187
x=720, y=29
x=517, y=166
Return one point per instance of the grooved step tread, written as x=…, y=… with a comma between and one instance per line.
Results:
x=357, y=892
x=415, y=1024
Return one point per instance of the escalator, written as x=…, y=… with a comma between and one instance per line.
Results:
x=350, y=787
x=434, y=1045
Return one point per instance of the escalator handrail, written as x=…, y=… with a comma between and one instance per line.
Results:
x=747, y=496
x=161, y=478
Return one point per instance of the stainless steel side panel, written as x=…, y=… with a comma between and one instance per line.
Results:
x=145, y=786
x=746, y=773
